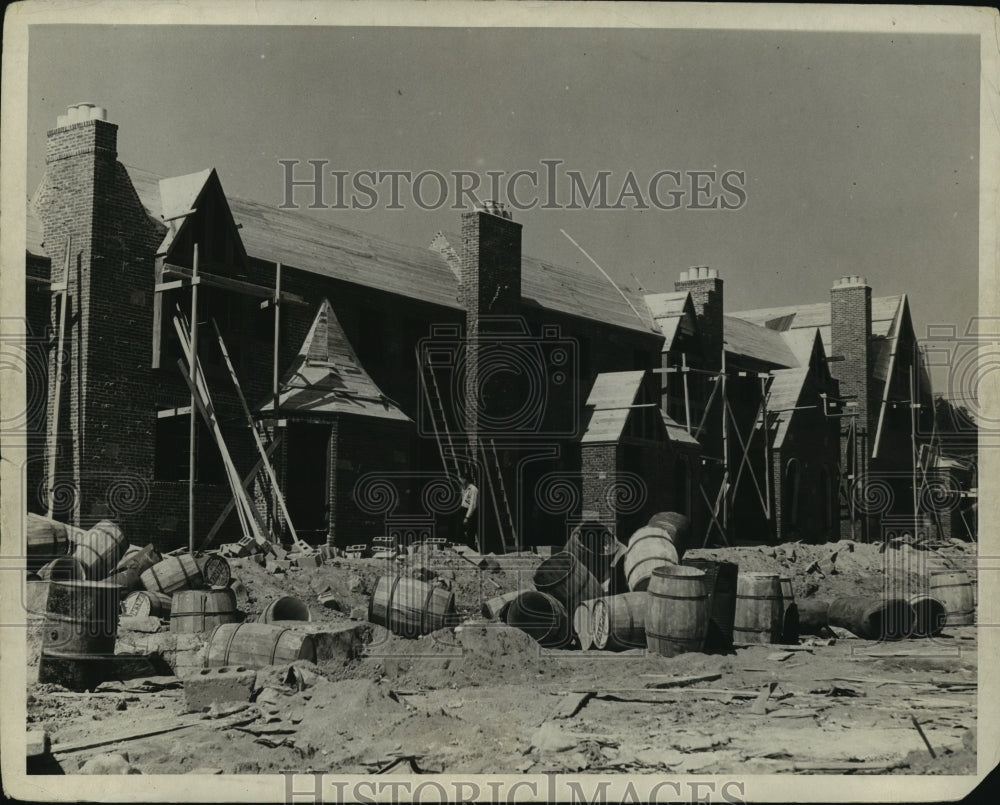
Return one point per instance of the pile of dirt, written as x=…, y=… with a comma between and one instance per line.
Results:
x=845, y=568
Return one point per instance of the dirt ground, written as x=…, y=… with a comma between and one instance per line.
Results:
x=485, y=698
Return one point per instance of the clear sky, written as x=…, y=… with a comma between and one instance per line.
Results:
x=860, y=150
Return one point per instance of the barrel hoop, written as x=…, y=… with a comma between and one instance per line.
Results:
x=389, y=602
x=427, y=605
x=758, y=597
x=949, y=586
x=229, y=643
x=680, y=597
x=277, y=640
x=678, y=640
x=759, y=629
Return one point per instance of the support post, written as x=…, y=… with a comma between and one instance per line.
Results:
x=725, y=442
x=274, y=384
x=57, y=392
x=192, y=430
x=913, y=450
x=687, y=400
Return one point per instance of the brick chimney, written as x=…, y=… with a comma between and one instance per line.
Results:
x=106, y=413
x=705, y=286
x=850, y=338
x=491, y=292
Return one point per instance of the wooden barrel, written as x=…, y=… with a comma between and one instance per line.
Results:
x=139, y=559
x=953, y=589
x=758, y=609
x=873, y=619
x=126, y=580
x=143, y=603
x=677, y=525
x=929, y=615
x=286, y=608
x=543, y=617
x=649, y=548
x=814, y=616
x=255, y=645
x=410, y=607
x=595, y=547
x=100, y=549
x=65, y=568
x=677, y=610
x=620, y=622
x=583, y=623
x=564, y=577
x=45, y=540
x=173, y=573
x=720, y=580
x=78, y=642
x=616, y=582
x=789, y=612
x=215, y=570
x=495, y=609
x=194, y=611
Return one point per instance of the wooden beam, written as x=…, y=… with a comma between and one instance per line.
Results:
x=53, y=446
x=239, y=286
x=165, y=413
x=194, y=364
x=246, y=487
x=300, y=544
x=162, y=287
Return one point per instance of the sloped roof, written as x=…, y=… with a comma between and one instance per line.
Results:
x=784, y=393
x=326, y=376
x=678, y=433
x=758, y=343
x=795, y=317
x=178, y=194
x=608, y=403
x=322, y=247
x=667, y=310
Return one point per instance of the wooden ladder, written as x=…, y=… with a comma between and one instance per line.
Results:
x=439, y=421
x=505, y=519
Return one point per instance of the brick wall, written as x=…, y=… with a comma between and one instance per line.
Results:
x=705, y=287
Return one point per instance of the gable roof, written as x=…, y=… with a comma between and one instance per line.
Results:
x=817, y=314
x=322, y=247
x=326, y=377
x=748, y=340
x=668, y=311
x=608, y=404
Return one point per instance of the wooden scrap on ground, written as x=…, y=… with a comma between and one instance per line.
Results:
x=572, y=703
x=145, y=732
x=679, y=681
x=849, y=766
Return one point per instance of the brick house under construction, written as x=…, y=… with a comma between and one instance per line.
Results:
x=375, y=371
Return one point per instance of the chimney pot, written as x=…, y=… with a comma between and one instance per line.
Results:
x=684, y=276
x=98, y=113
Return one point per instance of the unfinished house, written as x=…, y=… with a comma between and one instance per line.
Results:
x=362, y=361
x=872, y=352
x=372, y=373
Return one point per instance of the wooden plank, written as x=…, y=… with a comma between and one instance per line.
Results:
x=195, y=365
x=53, y=446
x=681, y=681
x=232, y=501
x=572, y=703
x=121, y=737
x=166, y=413
x=300, y=544
x=239, y=286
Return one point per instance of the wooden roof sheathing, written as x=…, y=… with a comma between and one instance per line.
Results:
x=608, y=402
x=326, y=377
x=756, y=342
x=667, y=310
x=785, y=392
x=319, y=246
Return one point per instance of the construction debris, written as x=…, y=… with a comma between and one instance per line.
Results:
x=453, y=681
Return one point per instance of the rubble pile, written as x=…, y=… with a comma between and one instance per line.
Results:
x=367, y=699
